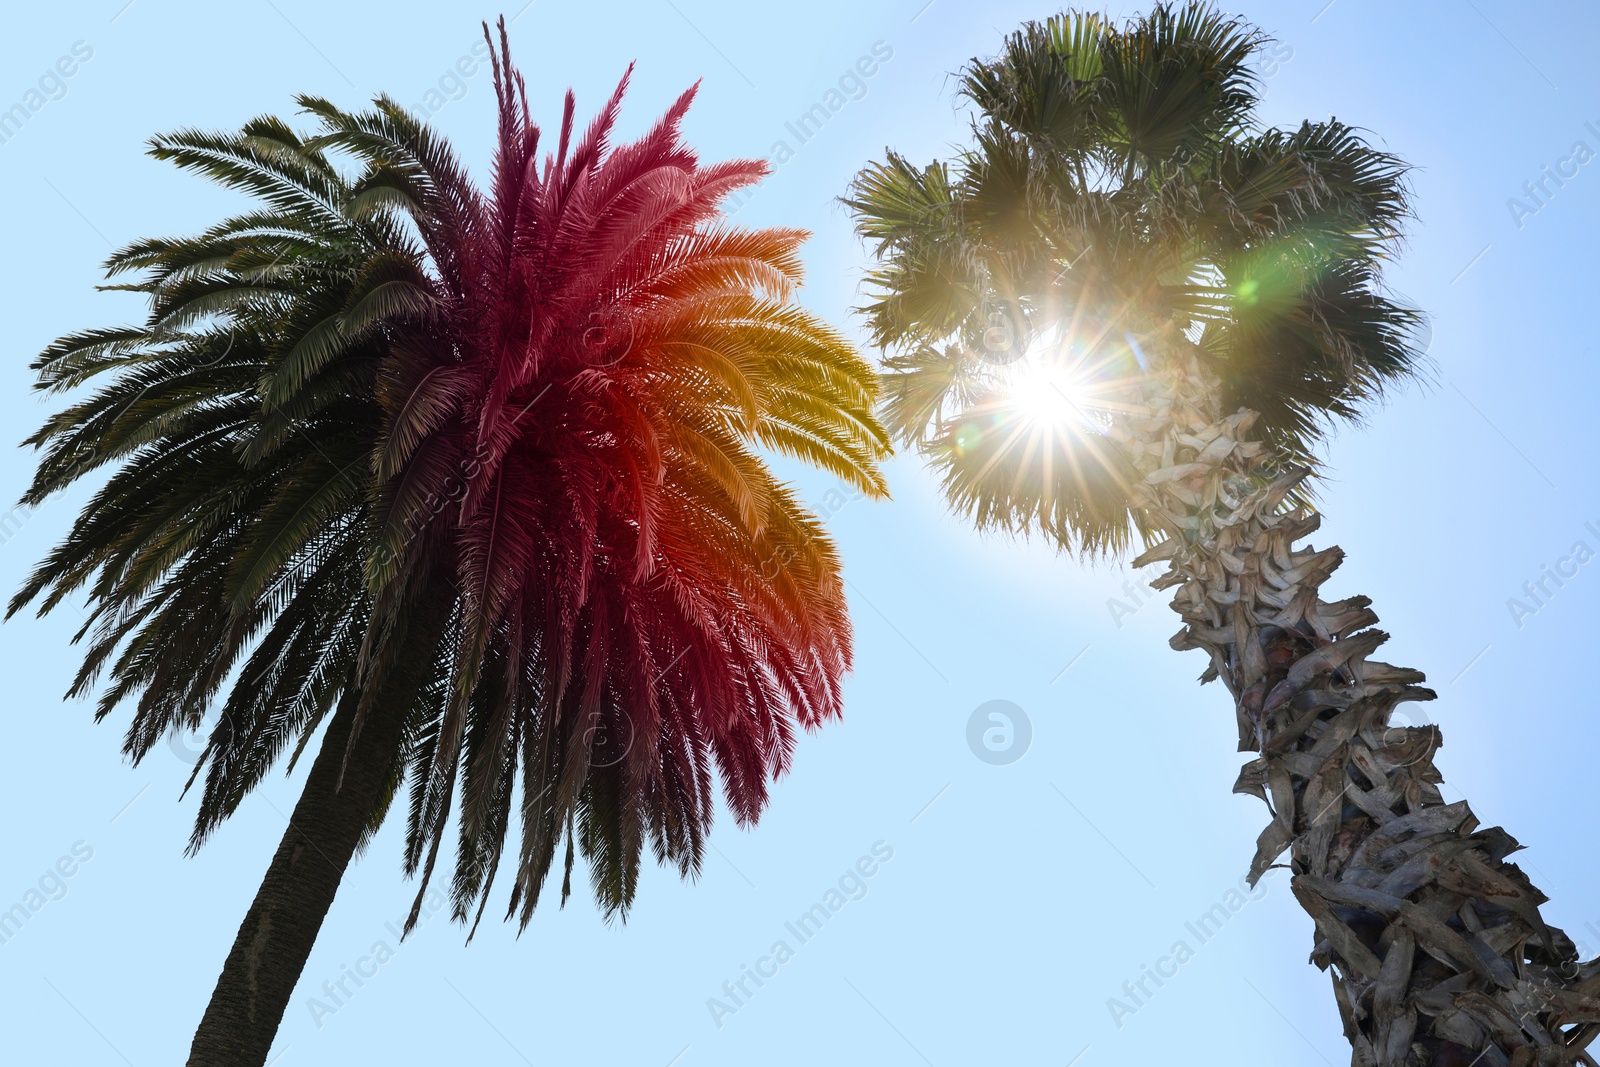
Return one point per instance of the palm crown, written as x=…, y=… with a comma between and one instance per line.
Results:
x=490, y=463
x=1121, y=203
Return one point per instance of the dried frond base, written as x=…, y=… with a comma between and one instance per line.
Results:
x=1435, y=943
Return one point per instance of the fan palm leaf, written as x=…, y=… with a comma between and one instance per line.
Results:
x=1127, y=315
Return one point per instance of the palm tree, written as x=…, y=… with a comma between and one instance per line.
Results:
x=476, y=480
x=1128, y=311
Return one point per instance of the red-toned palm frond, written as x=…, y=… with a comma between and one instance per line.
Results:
x=643, y=605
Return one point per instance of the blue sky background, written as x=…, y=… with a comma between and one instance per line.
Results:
x=1020, y=897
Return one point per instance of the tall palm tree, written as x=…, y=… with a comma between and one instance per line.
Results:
x=1125, y=314
x=474, y=478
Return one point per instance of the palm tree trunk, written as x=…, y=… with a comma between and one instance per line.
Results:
x=1434, y=942
x=276, y=936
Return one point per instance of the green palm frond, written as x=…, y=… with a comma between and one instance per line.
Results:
x=225, y=556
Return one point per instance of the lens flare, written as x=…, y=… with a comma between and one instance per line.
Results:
x=1047, y=394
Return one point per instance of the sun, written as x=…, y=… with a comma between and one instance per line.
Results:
x=1048, y=387
x=1047, y=394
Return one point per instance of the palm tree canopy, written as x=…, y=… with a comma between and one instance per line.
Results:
x=494, y=459
x=603, y=364
x=1119, y=198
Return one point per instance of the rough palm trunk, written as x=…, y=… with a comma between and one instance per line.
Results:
x=276, y=936
x=1434, y=942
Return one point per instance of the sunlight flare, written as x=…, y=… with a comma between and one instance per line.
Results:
x=1051, y=388
x=1048, y=394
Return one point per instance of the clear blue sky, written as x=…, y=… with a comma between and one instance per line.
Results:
x=1019, y=897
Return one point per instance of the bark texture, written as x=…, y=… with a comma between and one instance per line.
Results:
x=276, y=936
x=1438, y=954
